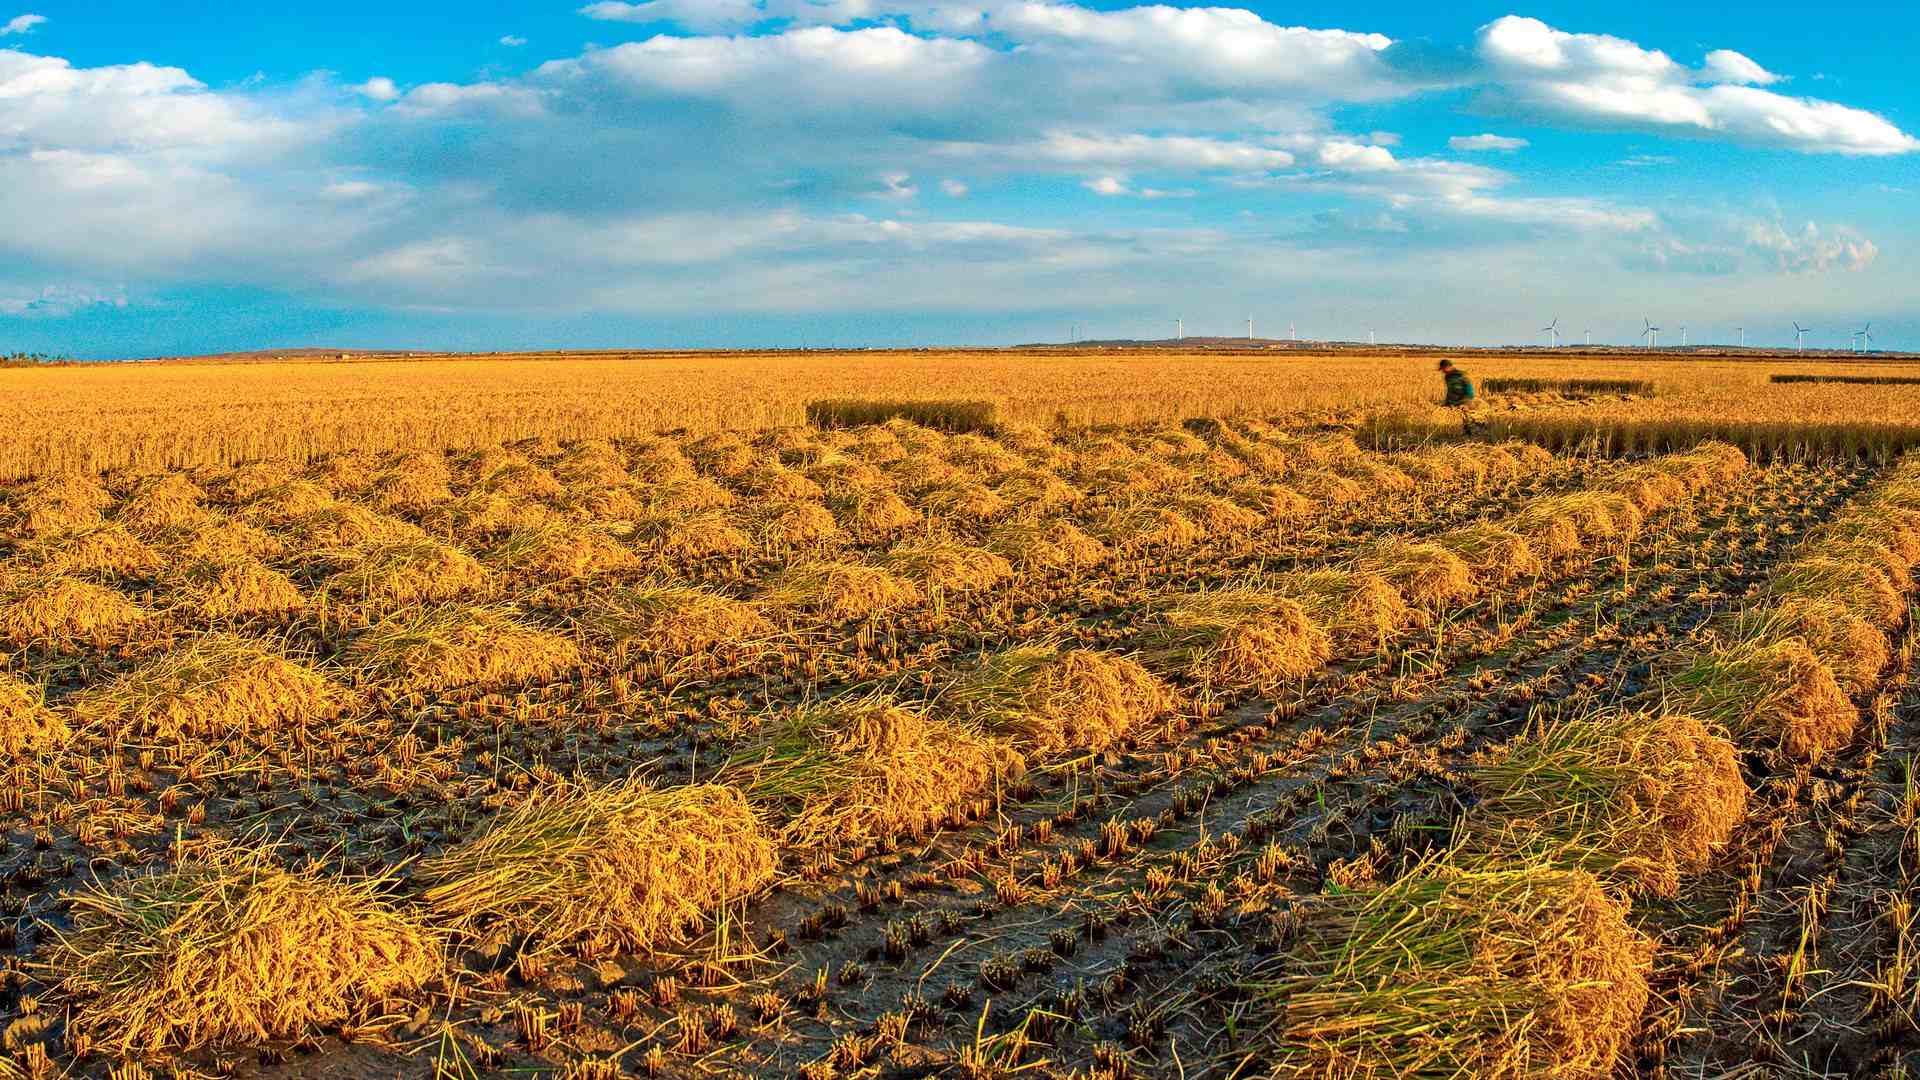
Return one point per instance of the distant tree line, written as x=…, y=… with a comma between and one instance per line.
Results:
x=34, y=359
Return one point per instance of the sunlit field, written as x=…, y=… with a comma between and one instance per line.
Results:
x=1202, y=715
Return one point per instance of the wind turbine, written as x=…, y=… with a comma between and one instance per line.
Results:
x=1864, y=335
x=1180, y=329
x=1683, y=337
x=1552, y=330
x=1249, y=328
x=1589, y=337
x=1743, y=335
x=1800, y=336
x=1651, y=334
x=1293, y=334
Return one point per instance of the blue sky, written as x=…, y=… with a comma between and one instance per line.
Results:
x=184, y=178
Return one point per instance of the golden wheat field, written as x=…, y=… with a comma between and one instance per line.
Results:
x=975, y=715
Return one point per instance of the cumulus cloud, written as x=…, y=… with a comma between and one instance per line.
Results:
x=953, y=189
x=1485, y=142
x=57, y=301
x=378, y=88
x=1727, y=66
x=512, y=41
x=21, y=24
x=1811, y=250
x=1605, y=81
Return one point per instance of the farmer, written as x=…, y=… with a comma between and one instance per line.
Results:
x=1459, y=393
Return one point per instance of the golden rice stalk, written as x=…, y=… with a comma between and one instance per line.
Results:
x=245, y=482
x=1852, y=648
x=49, y=609
x=777, y=483
x=849, y=772
x=105, y=551
x=1047, y=544
x=625, y=865
x=26, y=724
x=723, y=454
x=1425, y=574
x=560, y=552
x=1494, y=553
x=482, y=514
x=1433, y=467
x=598, y=504
x=672, y=620
x=1897, y=529
x=1651, y=489
x=210, y=686
x=705, y=534
x=1142, y=528
x=167, y=502
x=962, y=502
x=1780, y=694
x=1214, y=515
x=1373, y=474
x=1637, y=799
x=1136, y=479
x=406, y=571
x=944, y=566
x=842, y=474
x=522, y=480
x=1037, y=491
x=55, y=507
x=347, y=471
x=1860, y=587
x=1359, y=610
x=345, y=525
x=1324, y=487
x=223, y=589
x=1868, y=551
x=1045, y=699
x=872, y=515
x=783, y=525
x=1524, y=972
x=227, y=949
x=660, y=464
x=229, y=541
x=916, y=438
x=438, y=648
x=411, y=489
x=982, y=456
x=1231, y=641
x=840, y=590
x=684, y=495
x=585, y=468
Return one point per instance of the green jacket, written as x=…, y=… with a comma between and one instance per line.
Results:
x=1459, y=388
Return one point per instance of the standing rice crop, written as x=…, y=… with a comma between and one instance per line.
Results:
x=1522, y=972
x=624, y=865
x=227, y=949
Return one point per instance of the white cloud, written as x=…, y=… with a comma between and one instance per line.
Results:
x=378, y=88
x=1727, y=66
x=21, y=24
x=1811, y=250
x=512, y=41
x=897, y=185
x=1106, y=185
x=57, y=301
x=953, y=189
x=1607, y=81
x=1485, y=142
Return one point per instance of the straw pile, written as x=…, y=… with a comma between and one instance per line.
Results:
x=723, y=454
x=1231, y=641
x=1860, y=585
x=671, y=620
x=1425, y=574
x=244, y=482
x=1489, y=551
x=855, y=771
x=785, y=524
x=345, y=525
x=229, y=541
x=451, y=645
x=228, y=949
x=686, y=494
x=1214, y=515
x=944, y=566
x=55, y=507
x=1324, y=487
x=1142, y=528
x=103, y=551
x=1055, y=544
x=1277, y=501
x=871, y=515
x=1037, y=491
x=26, y=724
x=549, y=552
x=1780, y=693
x=50, y=610
x=705, y=534
x=1638, y=799
x=166, y=502
x=1527, y=972
x=962, y=502
x=212, y=685
x=625, y=865
x=406, y=571
x=1046, y=699
x=779, y=483
x=226, y=588
x=412, y=489
x=840, y=590
x=482, y=514
x=1358, y=610
x=1852, y=648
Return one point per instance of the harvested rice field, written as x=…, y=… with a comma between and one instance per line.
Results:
x=1224, y=748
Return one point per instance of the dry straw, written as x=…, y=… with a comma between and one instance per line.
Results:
x=105, y=551
x=703, y=534
x=230, y=588
x=1493, y=552
x=228, y=949
x=1142, y=528
x=213, y=685
x=1048, y=544
x=1231, y=641
x=1359, y=610
x=406, y=572
x=26, y=724
x=1852, y=648
x=560, y=552
x=626, y=865
x=1427, y=575
x=1638, y=799
x=1523, y=971
x=840, y=590
x=873, y=514
x=1779, y=693
x=939, y=415
x=43, y=609
x=1046, y=699
x=853, y=771
x=660, y=619
x=782, y=525
x=437, y=648
x=946, y=566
